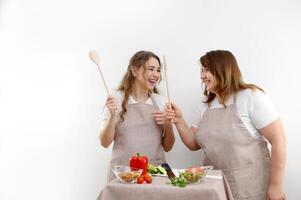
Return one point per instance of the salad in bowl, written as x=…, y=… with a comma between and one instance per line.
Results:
x=195, y=174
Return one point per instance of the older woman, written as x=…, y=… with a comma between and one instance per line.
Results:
x=232, y=126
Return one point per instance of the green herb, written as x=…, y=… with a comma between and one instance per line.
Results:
x=179, y=181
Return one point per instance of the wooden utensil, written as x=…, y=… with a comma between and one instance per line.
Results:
x=165, y=75
x=95, y=58
x=166, y=83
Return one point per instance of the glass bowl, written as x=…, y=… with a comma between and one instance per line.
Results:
x=195, y=174
x=126, y=174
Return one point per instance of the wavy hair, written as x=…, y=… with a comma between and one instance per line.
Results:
x=137, y=61
x=223, y=66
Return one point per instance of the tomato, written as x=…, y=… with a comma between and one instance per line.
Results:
x=195, y=170
x=140, y=180
x=148, y=179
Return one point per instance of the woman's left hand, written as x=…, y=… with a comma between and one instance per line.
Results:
x=275, y=193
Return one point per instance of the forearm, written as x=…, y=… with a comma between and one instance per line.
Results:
x=107, y=133
x=278, y=161
x=169, y=138
x=187, y=135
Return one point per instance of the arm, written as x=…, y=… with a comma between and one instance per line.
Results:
x=274, y=133
x=186, y=133
x=169, y=137
x=107, y=133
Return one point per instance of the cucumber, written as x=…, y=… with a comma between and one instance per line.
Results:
x=161, y=170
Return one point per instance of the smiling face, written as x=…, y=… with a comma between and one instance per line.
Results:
x=208, y=79
x=148, y=75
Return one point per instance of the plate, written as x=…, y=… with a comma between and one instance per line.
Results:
x=161, y=175
x=178, y=171
x=175, y=171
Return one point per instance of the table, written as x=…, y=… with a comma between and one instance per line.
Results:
x=209, y=189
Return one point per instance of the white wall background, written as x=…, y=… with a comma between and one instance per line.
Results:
x=51, y=95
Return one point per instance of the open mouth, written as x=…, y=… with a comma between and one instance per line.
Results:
x=206, y=82
x=152, y=82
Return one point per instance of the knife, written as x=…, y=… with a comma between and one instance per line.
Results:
x=170, y=174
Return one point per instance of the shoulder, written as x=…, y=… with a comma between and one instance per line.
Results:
x=249, y=95
x=259, y=107
x=246, y=93
x=249, y=99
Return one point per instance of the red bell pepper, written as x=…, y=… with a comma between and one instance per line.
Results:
x=140, y=162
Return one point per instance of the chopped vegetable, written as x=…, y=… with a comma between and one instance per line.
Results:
x=193, y=174
x=192, y=177
x=179, y=181
x=129, y=176
x=152, y=169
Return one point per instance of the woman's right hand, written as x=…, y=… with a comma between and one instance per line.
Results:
x=175, y=112
x=111, y=105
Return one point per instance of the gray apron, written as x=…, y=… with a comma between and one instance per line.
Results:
x=138, y=133
x=228, y=146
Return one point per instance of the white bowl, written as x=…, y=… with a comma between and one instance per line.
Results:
x=126, y=174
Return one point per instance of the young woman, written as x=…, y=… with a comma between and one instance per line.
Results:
x=232, y=126
x=129, y=120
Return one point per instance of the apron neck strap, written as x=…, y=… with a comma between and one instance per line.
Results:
x=153, y=100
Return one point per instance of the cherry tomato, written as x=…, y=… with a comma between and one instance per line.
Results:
x=140, y=180
x=195, y=170
x=148, y=179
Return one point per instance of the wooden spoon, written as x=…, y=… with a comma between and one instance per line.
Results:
x=95, y=58
x=166, y=83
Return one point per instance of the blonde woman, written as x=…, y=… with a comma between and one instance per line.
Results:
x=232, y=126
x=139, y=125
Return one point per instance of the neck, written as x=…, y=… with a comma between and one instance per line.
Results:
x=139, y=94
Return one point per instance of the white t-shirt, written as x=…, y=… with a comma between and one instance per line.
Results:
x=119, y=95
x=254, y=108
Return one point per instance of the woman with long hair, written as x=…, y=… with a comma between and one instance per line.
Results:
x=234, y=122
x=134, y=118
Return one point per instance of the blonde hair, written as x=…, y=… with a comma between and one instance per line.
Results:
x=223, y=65
x=137, y=61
